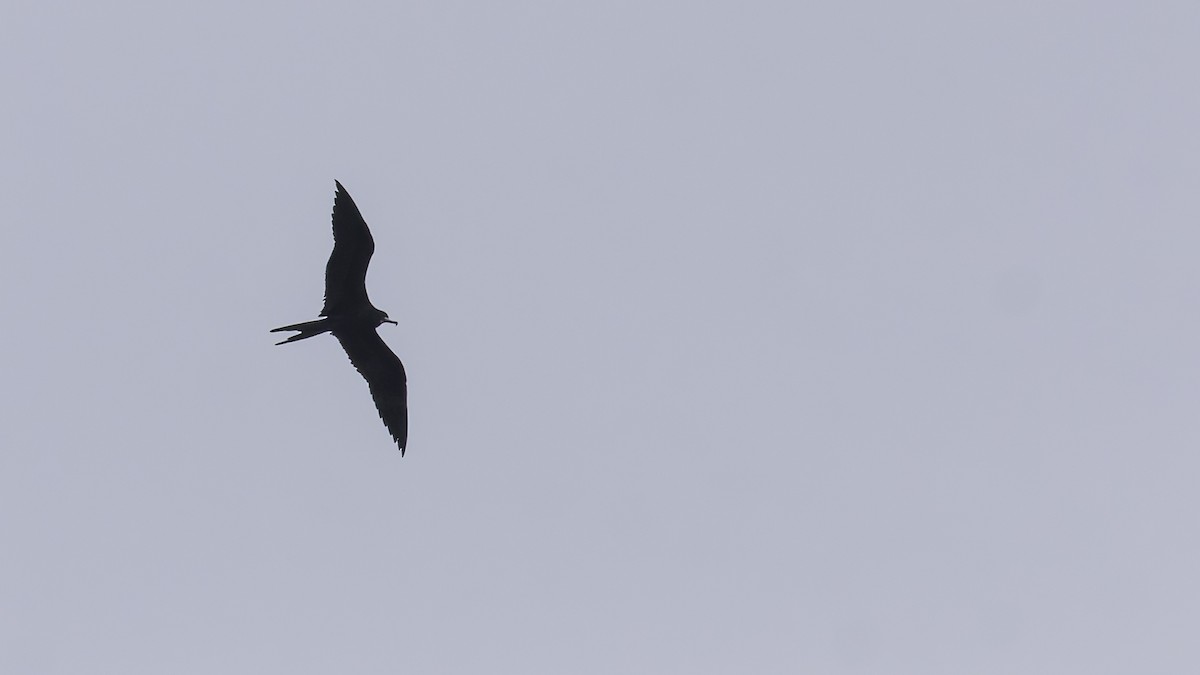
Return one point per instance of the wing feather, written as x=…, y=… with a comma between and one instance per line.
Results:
x=353, y=245
x=385, y=376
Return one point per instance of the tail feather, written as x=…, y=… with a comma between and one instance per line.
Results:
x=307, y=329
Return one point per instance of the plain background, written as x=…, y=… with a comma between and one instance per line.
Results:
x=742, y=337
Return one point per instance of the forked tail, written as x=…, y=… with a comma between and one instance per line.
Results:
x=307, y=330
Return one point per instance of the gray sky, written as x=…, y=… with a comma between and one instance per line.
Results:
x=745, y=338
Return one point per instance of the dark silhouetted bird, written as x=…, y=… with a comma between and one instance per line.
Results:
x=352, y=319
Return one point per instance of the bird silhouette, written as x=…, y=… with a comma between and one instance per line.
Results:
x=352, y=319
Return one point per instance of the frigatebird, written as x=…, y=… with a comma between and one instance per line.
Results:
x=352, y=319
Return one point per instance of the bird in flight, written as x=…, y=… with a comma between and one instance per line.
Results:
x=352, y=319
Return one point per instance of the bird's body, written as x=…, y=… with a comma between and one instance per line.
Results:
x=352, y=319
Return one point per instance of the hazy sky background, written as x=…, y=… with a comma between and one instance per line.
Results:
x=741, y=338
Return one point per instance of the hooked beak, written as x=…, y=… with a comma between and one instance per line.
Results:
x=391, y=322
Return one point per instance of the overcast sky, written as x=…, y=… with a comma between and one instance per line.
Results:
x=742, y=337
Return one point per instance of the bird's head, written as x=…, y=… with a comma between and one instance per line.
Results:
x=381, y=317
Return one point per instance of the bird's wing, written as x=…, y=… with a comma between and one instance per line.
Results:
x=346, y=272
x=384, y=373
